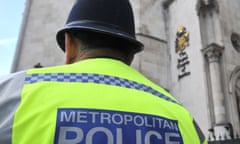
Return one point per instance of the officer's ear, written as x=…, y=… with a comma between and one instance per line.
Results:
x=71, y=49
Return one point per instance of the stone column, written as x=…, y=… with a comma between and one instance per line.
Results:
x=213, y=54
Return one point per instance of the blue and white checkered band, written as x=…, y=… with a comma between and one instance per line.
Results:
x=94, y=78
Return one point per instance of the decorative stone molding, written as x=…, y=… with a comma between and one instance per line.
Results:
x=234, y=98
x=210, y=24
x=237, y=92
x=221, y=132
x=213, y=52
x=204, y=6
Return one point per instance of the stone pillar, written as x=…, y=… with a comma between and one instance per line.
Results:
x=213, y=55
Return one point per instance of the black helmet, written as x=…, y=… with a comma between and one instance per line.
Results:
x=110, y=17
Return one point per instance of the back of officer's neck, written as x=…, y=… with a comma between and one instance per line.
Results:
x=102, y=53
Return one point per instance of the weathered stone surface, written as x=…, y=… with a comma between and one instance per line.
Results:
x=153, y=61
x=37, y=43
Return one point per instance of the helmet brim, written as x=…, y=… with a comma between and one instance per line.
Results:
x=136, y=45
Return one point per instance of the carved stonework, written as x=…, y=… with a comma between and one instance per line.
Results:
x=210, y=24
x=213, y=52
x=234, y=99
x=206, y=6
x=235, y=39
x=237, y=92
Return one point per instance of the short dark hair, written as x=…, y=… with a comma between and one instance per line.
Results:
x=95, y=40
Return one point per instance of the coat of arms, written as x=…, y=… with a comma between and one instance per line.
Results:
x=182, y=40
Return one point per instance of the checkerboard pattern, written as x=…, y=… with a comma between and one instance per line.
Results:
x=93, y=78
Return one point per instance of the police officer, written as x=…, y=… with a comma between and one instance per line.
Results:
x=97, y=98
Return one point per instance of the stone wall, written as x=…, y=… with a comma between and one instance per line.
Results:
x=37, y=42
x=230, y=23
x=150, y=29
x=190, y=90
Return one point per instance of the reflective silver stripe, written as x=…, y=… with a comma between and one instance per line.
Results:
x=199, y=132
x=10, y=93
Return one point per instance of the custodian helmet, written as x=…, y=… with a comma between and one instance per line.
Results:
x=109, y=17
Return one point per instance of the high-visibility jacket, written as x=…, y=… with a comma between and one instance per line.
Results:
x=95, y=101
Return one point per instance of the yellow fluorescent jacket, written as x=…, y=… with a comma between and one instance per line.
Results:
x=95, y=101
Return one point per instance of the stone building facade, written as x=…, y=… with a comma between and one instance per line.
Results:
x=204, y=76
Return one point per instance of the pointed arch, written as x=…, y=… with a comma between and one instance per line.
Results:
x=234, y=98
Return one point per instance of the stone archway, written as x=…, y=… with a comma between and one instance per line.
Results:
x=234, y=99
x=237, y=92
